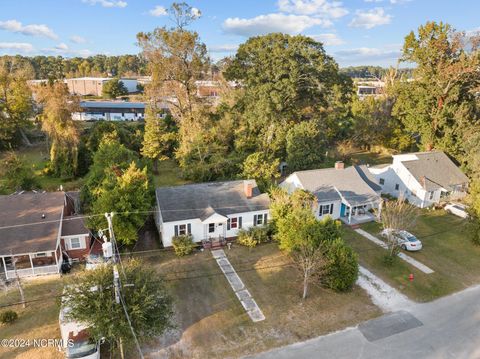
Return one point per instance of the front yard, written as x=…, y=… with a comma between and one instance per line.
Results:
x=212, y=323
x=446, y=249
x=39, y=320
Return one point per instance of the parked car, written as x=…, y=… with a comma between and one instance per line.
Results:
x=405, y=240
x=457, y=209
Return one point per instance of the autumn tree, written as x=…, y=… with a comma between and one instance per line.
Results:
x=62, y=131
x=16, y=105
x=114, y=88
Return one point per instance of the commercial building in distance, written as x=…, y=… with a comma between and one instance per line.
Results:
x=93, y=86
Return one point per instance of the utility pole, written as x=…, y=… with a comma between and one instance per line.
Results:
x=117, y=286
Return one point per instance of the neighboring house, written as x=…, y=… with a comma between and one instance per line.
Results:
x=110, y=111
x=38, y=231
x=342, y=193
x=423, y=178
x=211, y=212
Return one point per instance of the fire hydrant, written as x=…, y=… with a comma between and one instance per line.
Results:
x=410, y=277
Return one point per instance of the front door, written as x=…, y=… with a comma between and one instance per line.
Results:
x=215, y=230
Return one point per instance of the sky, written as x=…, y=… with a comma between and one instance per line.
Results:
x=354, y=32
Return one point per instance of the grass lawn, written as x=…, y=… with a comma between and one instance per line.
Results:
x=213, y=324
x=37, y=321
x=37, y=158
x=446, y=249
x=168, y=174
x=371, y=158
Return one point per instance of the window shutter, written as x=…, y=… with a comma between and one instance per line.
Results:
x=331, y=208
x=320, y=210
x=189, y=228
x=254, y=219
x=176, y=230
x=239, y=222
x=228, y=224
x=265, y=219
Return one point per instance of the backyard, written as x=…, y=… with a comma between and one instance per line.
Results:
x=211, y=323
x=446, y=249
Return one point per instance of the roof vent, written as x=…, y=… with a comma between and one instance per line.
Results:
x=339, y=165
x=43, y=216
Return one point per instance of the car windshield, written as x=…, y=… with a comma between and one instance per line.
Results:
x=81, y=346
x=412, y=238
x=458, y=207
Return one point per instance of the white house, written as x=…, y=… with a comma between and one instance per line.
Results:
x=342, y=193
x=211, y=212
x=422, y=178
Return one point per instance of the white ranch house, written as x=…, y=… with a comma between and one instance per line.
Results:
x=342, y=193
x=422, y=178
x=211, y=212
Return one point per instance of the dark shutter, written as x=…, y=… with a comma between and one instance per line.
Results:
x=320, y=210
x=239, y=222
x=228, y=224
x=189, y=228
x=176, y=230
x=265, y=219
x=254, y=219
x=331, y=208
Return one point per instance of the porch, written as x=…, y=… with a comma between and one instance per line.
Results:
x=358, y=214
x=28, y=265
x=214, y=242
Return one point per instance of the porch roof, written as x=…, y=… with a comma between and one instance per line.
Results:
x=22, y=228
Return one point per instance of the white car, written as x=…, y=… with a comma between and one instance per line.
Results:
x=405, y=240
x=457, y=209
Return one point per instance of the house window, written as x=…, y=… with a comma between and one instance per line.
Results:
x=75, y=243
x=382, y=181
x=183, y=229
x=397, y=186
x=233, y=223
x=211, y=227
x=431, y=195
x=325, y=209
x=259, y=219
x=41, y=254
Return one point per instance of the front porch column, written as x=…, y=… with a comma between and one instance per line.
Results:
x=56, y=261
x=379, y=212
x=350, y=215
x=4, y=267
x=31, y=263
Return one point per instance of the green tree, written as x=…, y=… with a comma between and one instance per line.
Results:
x=16, y=105
x=91, y=299
x=261, y=167
x=18, y=175
x=114, y=88
x=127, y=193
x=305, y=147
x=61, y=129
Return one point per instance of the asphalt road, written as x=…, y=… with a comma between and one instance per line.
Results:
x=446, y=328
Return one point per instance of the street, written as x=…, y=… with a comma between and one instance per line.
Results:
x=446, y=328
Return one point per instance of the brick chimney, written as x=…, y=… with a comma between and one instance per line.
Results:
x=339, y=165
x=248, y=188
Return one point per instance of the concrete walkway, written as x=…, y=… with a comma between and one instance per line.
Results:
x=405, y=257
x=242, y=293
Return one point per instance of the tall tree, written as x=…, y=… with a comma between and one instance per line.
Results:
x=91, y=299
x=114, y=88
x=56, y=118
x=305, y=146
x=16, y=105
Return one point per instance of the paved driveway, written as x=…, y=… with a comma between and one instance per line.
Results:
x=446, y=328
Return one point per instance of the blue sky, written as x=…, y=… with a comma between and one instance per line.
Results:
x=355, y=32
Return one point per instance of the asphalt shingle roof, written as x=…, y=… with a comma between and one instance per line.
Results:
x=73, y=225
x=203, y=199
x=434, y=170
x=21, y=210
x=354, y=184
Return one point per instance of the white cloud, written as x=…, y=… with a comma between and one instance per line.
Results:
x=64, y=50
x=158, y=11
x=78, y=39
x=328, y=39
x=321, y=8
x=17, y=47
x=196, y=13
x=29, y=30
x=399, y=1
x=375, y=0
x=223, y=48
x=107, y=3
x=264, y=24
x=371, y=18
x=62, y=47
x=368, y=56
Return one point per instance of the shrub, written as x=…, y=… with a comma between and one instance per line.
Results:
x=341, y=271
x=183, y=245
x=8, y=316
x=254, y=236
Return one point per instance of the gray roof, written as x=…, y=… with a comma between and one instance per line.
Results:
x=73, y=225
x=31, y=233
x=353, y=183
x=204, y=199
x=112, y=104
x=434, y=170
